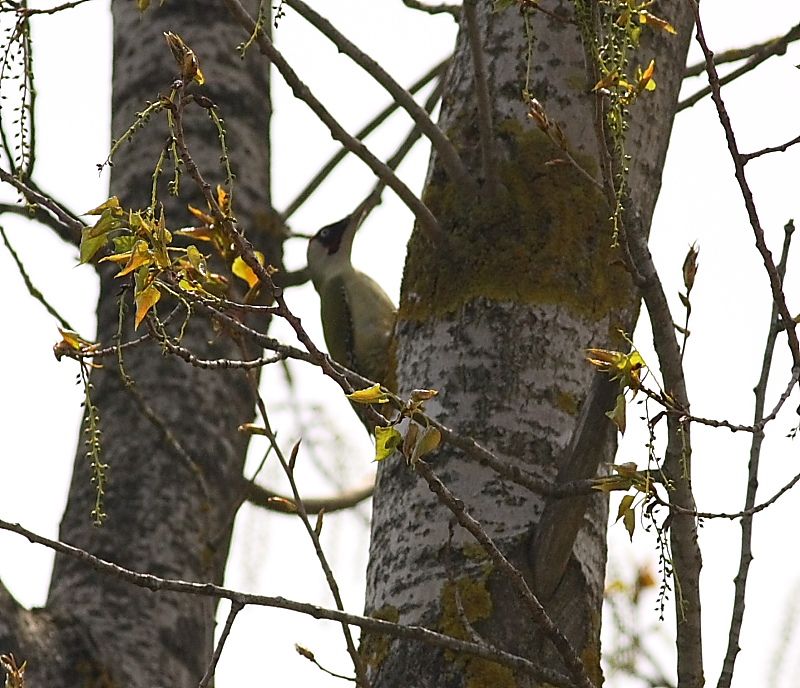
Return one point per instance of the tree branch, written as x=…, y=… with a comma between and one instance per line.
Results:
x=485, y=119
x=746, y=555
x=428, y=223
x=32, y=290
x=65, y=224
x=236, y=607
x=514, y=576
x=453, y=10
x=777, y=46
x=380, y=118
x=409, y=633
x=775, y=281
x=441, y=144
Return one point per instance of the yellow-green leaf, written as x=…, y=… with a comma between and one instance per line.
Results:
x=90, y=245
x=243, y=271
x=141, y=255
x=387, y=440
x=423, y=394
x=112, y=205
x=629, y=520
x=429, y=441
x=197, y=260
x=617, y=414
x=623, y=367
x=624, y=506
x=369, y=395
x=651, y=19
x=144, y=302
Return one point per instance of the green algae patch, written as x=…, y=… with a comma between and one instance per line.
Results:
x=375, y=647
x=545, y=238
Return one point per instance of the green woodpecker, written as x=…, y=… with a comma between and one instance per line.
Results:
x=357, y=316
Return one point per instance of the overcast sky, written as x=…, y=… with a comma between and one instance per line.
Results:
x=699, y=202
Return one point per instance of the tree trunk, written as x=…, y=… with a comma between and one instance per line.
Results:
x=170, y=510
x=498, y=324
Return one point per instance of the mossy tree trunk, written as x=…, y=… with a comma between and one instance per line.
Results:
x=498, y=325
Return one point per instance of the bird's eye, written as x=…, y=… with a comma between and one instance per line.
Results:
x=323, y=233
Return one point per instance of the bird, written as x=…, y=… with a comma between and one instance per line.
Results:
x=358, y=317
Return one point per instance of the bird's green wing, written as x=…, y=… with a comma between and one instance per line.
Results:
x=337, y=322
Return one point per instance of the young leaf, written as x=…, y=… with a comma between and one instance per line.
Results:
x=387, y=440
x=617, y=414
x=243, y=271
x=429, y=441
x=624, y=506
x=369, y=395
x=145, y=300
x=629, y=521
x=112, y=205
x=90, y=245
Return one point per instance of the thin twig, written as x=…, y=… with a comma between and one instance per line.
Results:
x=236, y=607
x=377, y=626
x=32, y=290
x=425, y=217
x=746, y=554
x=776, y=284
x=730, y=55
x=373, y=124
x=453, y=10
x=217, y=363
x=747, y=157
x=776, y=46
x=288, y=469
x=33, y=196
x=445, y=149
x=561, y=643
x=485, y=119
x=26, y=12
x=275, y=501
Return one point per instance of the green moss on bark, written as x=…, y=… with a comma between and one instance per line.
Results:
x=543, y=239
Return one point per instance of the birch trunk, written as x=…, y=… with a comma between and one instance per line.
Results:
x=498, y=326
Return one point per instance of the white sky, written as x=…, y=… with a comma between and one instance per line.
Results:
x=699, y=202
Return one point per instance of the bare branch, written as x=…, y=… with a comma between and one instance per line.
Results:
x=746, y=555
x=513, y=575
x=776, y=46
x=378, y=626
x=313, y=534
x=63, y=217
x=27, y=12
x=380, y=118
x=441, y=144
x=453, y=10
x=747, y=157
x=32, y=290
x=776, y=284
x=731, y=55
x=236, y=607
x=274, y=501
x=485, y=119
x=427, y=221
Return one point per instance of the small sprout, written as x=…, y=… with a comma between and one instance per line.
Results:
x=623, y=367
x=690, y=265
x=185, y=57
x=252, y=429
x=387, y=440
x=369, y=395
x=283, y=504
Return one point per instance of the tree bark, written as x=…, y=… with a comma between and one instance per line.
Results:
x=498, y=324
x=170, y=512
